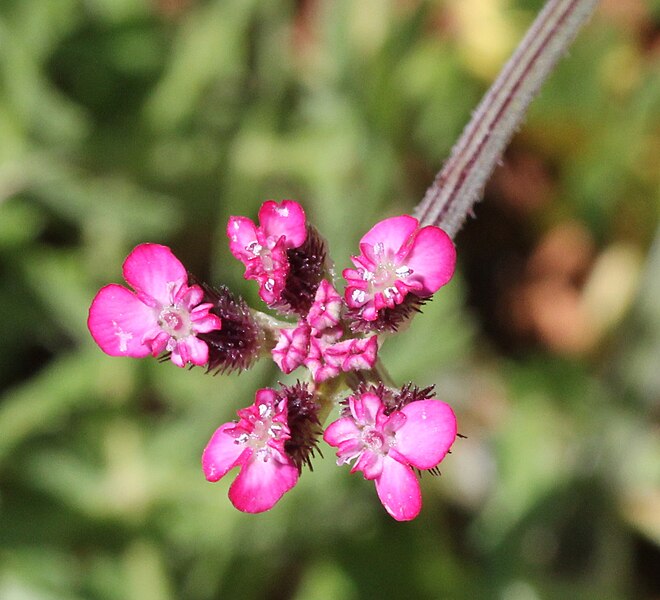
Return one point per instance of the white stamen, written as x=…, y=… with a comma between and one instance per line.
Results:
x=404, y=271
x=390, y=292
x=358, y=296
x=379, y=249
x=175, y=322
x=254, y=247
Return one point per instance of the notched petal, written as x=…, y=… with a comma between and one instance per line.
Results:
x=119, y=322
x=153, y=270
x=284, y=219
x=399, y=491
x=428, y=433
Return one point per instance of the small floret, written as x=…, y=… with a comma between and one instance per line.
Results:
x=256, y=444
x=387, y=446
x=263, y=249
x=398, y=258
x=163, y=314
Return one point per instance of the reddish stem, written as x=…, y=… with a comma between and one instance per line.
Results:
x=460, y=183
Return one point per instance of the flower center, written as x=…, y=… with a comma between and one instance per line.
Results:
x=263, y=431
x=384, y=277
x=263, y=252
x=175, y=321
x=374, y=440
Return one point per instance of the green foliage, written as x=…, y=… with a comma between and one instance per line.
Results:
x=125, y=121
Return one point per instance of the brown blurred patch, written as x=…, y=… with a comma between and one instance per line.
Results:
x=441, y=22
x=546, y=305
x=551, y=312
x=524, y=182
x=527, y=281
x=172, y=9
x=629, y=14
x=635, y=17
x=304, y=34
x=564, y=254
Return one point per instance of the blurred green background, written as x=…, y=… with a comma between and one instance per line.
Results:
x=123, y=121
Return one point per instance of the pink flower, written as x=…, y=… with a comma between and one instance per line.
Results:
x=321, y=363
x=355, y=354
x=163, y=314
x=315, y=343
x=397, y=258
x=256, y=445
x=326, y=309
x=263, y=249
x=387, y=447
x=327, y=359
x=292, y=347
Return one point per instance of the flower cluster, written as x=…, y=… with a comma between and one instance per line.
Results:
x=316, y=341
x=388, y=434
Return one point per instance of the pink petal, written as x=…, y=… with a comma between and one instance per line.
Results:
x=270, y=296
x=356, y=296
x=242, y=234
x=190, y=350
x=325, y=311
x=285, y=219
x=156, y=339
x=153, y=271
x=273, y=279
x=321, y=371
x=399, y=491
x=203, y=321
x=363, y=262
x=341, y=430
x=366, y=409
x=179, y=356
x=222, y=453
x=320, y=363
x=260, y=484
x=369, y=312
x=370, y=463
x=361, y=354
x=432, y=259
x=427, y=434
x=335, y=354
x=355, y=278
x=189, y=297
x=266, y=396
x=393, y=233
x=118, y=322
x=292, y=347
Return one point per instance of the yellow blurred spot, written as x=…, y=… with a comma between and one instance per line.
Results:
x=642, y=509
x=487, y=32
x=126, y=486
x=369, y=24
x=621, y=69
x=611, y=286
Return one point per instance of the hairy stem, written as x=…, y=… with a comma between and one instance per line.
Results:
x=460, y=183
